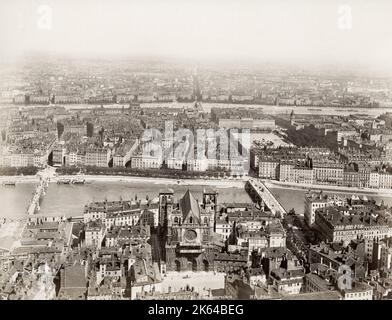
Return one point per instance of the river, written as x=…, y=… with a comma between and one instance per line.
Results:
x=268, y=109
x=69, y=200
x=295, y=198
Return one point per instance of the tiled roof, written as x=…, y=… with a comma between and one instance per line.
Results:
x=189, y=205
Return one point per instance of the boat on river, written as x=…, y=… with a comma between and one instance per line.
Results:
x=64, y=181
x=78, y=181
x=9, y=183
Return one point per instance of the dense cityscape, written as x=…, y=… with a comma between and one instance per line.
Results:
x=65, y=126
x=194, y=158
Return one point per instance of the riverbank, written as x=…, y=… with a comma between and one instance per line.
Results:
x=222, y=183
x=337, y=189
x=219, y=182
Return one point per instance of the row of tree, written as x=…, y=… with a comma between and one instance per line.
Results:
x=158, y=173
x=17, y=171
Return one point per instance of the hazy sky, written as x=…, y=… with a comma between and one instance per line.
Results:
x=284, y=31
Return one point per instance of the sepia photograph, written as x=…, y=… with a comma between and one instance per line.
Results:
x=215, y=151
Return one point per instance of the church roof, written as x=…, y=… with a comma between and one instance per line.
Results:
x=189, y=205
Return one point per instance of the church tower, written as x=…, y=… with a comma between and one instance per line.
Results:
x=210, y=200
x=165, y=207
x=210, y=205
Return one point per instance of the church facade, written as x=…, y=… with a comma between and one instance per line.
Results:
x=188, y=227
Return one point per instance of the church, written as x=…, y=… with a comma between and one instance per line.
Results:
x=187, y=228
